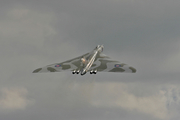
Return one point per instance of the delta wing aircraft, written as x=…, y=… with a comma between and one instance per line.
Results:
x=92, y=62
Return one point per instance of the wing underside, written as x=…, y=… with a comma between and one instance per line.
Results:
x=64, y=66
x=104, y=63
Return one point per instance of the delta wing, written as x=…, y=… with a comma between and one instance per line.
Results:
x=64, y=66
x=103, y=63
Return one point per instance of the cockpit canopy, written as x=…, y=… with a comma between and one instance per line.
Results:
x=99, y=46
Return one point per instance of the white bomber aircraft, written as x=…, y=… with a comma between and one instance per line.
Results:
x=92, y=62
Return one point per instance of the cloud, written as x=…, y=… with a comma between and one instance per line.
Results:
x=14, y=98
x=171, y=63
x=26, y=26
x=157, y=104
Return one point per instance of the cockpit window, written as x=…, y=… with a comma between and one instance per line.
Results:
x=97, y=47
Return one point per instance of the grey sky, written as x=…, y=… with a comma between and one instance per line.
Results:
x=141, y=33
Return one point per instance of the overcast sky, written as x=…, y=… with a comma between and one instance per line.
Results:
x=140, y=33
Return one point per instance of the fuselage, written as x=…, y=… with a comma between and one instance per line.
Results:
x=91, y=59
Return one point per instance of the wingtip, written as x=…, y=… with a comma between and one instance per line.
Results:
x=37, y=70
x=34, y=71
x=133, y=69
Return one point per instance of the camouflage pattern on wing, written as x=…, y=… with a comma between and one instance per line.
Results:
x=104, y=63
x=69, y=65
